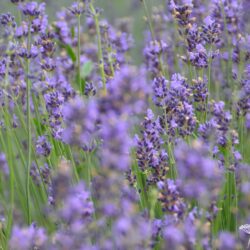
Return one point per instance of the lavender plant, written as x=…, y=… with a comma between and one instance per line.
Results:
x=104, y=147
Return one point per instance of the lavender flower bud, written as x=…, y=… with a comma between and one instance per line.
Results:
x=43, y=147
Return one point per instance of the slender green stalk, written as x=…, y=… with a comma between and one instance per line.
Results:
x=148, y=19
x=79, y=82
x=208, y=84
x=11, y=181
x=109, y=49
x=173, y=170
x=140, y=185
x=28, y=123
x=10, y=155
x=99, y=42
x=151, y=28
x=74, y=165
x=242, y=135
x=231, y=190
x=88, y=167
x=209, y=71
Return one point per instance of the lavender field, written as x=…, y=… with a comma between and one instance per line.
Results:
x=125, y=125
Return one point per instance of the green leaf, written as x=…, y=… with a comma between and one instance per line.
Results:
x=86, y=69
x=71, y=53
x=39, y=125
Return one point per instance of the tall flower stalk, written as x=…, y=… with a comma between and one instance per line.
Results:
x=28, y=123
x=79, y=53
x=99, y=43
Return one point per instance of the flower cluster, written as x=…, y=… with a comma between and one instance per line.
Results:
x=175, y=97
x=151, y=156
x=80, y=120
x=199, y=175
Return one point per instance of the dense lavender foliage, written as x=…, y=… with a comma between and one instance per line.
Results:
x=98, y=152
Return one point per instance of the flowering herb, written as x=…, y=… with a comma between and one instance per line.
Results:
x=119, y=134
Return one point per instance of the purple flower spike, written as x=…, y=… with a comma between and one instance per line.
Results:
x=31, y=9
x=43, y=147
x=199, y=175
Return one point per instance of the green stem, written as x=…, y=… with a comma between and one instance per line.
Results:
x=10, y=155
x=209, y=83
x=99, y=41
x=172, y=165
x=163, y=71
x=28, y=123
x=74, y=165
x=88, y=168
x=148, y=19
x=209, y=72
x=79, y=55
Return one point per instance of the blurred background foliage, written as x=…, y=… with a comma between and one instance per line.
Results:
x=112, y=10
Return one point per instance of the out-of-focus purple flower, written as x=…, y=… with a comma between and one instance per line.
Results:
x=173, y=237
x=170, y=198
x=3, y=63
x=77, y=208
x=15, y=121
x=43, y=147
x=65, y=23
x=77, y=8
x=152, y=54
x=46, y=173
x=221, y=119
x=90, y=89
x=200, y=93
x=199, y=57
x=226, y=241
x=17, y=1
x=48, y=64
x=60, y=184
x=28, y=238
x=8, y=21
x=4, y=164
x=217, y=129
x=132, y=232
x=211, y=31
x=160, y=88
x=54, y=101
x=40, y=23
x=127, y=92
x=80, y=119
x=34, y=173
x=247, y=122
x=156, y=229
x=31, y=9
x=193, y=37
x=40, y=174
x=24, y=53
x=22, y=30
x=244, y=95
x=116, y=43
x=182, y=12
x=186, y=233
x=115, y=149
x=47, y=44
x=63, y=31
x=107, y=190
x=199, y=175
